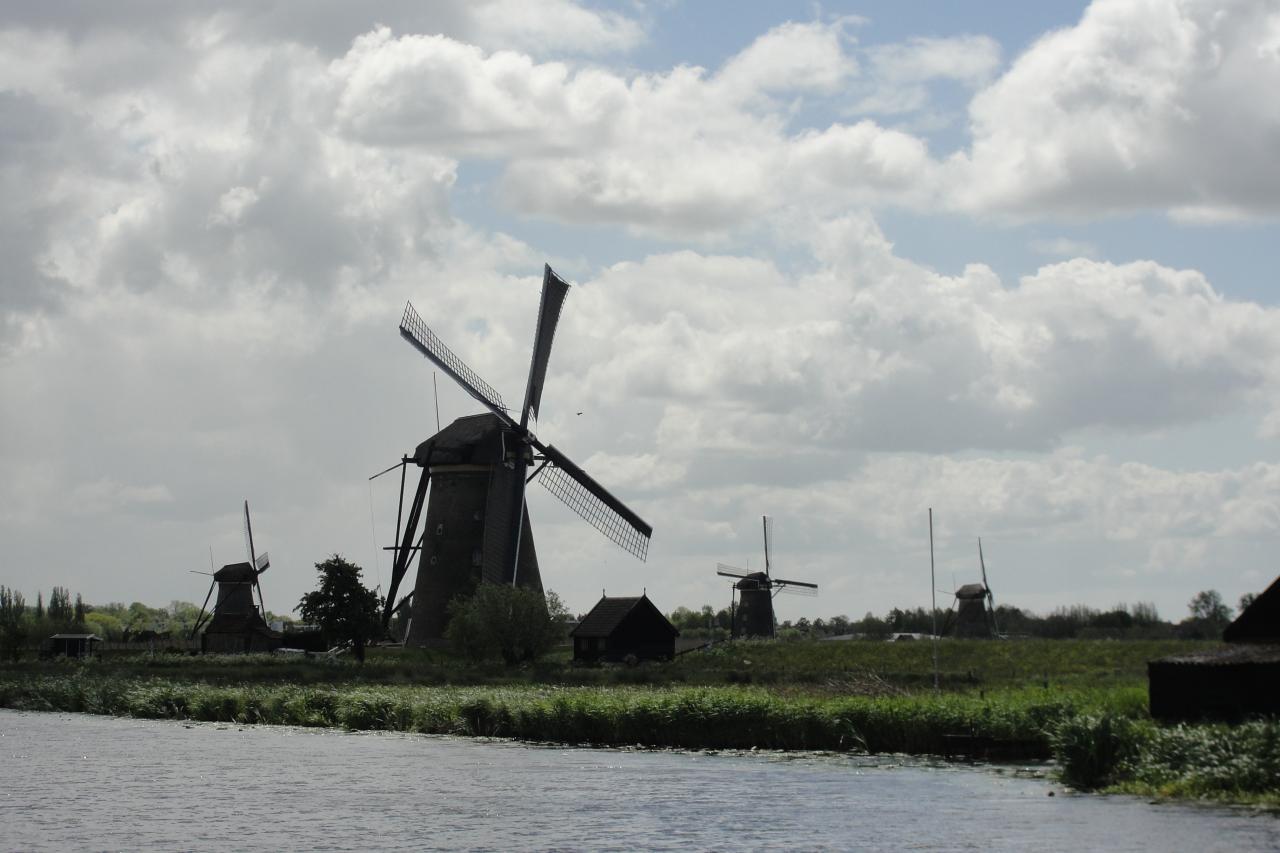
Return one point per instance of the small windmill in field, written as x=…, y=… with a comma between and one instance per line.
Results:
x=236, y=624
x=476, y=519
x=973, y=610
x=754, y=591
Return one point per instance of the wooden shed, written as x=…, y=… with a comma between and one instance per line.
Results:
x=1227, y=684
x=620, y=628
x=71, y=646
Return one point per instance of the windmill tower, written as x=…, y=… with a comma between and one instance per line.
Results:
x=476, y=519
x=754, y=591
x=973, y=612
x=237, y=624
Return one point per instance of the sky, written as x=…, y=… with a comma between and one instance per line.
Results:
x=836, y=263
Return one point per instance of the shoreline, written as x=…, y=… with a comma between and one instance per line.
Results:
x=1098, y=740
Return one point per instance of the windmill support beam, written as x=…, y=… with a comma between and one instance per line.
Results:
x=405, y=550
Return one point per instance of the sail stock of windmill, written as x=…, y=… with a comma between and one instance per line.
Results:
x=482, y=462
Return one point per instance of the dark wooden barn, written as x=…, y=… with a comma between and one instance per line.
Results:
x=1260, y=621
x=1227, y=684
x=71, y=646
x=620, y=628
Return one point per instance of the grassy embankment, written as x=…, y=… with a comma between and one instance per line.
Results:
x=1083, y=703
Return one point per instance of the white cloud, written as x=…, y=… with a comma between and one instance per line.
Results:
x=1139, y=106
x=790, y=58
x=901, y=71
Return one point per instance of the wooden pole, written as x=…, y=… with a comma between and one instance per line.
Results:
x=933, y=596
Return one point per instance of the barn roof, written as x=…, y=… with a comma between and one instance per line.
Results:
x=609, y=613
x=75, y=637
x=1229, y=656
x=1260, y=621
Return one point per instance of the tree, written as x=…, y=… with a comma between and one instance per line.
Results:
x=13, y=610
x=1247, y=599
x=499, y=620
x=60, y=611
x=1208, y=605
x=343, y=608
x=1209, y=615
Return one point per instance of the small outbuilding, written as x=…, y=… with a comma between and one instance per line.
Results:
x=71, y=646
x=618, y=629
x=1227, y=684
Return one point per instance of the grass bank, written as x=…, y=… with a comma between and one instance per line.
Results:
x=1083, y=703
x=1232, y=763
x=696, y=718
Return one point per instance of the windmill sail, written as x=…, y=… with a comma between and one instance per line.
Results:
x=593, y=502
x=768, y=543
x=554, y=291
x=416, y=332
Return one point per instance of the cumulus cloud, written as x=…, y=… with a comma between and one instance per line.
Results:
x=872, y=351
x=208, y=238
x=1138, y=106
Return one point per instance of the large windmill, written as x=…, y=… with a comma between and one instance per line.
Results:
x=476, y=520
x=236, y=624
x=973, y=611
x=753, y=614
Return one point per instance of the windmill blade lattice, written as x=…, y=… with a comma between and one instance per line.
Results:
x=416, y=332
x=597, y=507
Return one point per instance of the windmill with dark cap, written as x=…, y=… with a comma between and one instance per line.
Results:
x=973, y=612
x=473, y=526
x=754, y=592
x=236, y=624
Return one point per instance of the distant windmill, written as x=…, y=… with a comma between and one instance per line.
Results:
x=753, y=615
x=236, y=624
x=477, y=523
x=973, y=611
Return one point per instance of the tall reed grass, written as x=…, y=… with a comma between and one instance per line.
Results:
x=702, y=717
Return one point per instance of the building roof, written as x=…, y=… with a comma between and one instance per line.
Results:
x=971, y=590
x=609, y=613
x=1231, y=655
x=75, y=637
x=1260, y=621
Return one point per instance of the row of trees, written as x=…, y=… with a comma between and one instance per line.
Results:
x=22, y=625
x=1208, y=615
x=496, y=622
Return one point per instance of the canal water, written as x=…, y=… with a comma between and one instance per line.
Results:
x=77, y=782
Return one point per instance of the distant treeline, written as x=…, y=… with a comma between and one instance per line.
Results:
x=1208, y=615
x=24, y=625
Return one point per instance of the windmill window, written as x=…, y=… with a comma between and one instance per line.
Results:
x=440, y=529
x=434, y=559
x=477, y=557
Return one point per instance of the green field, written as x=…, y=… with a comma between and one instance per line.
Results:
x=1082, y=703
